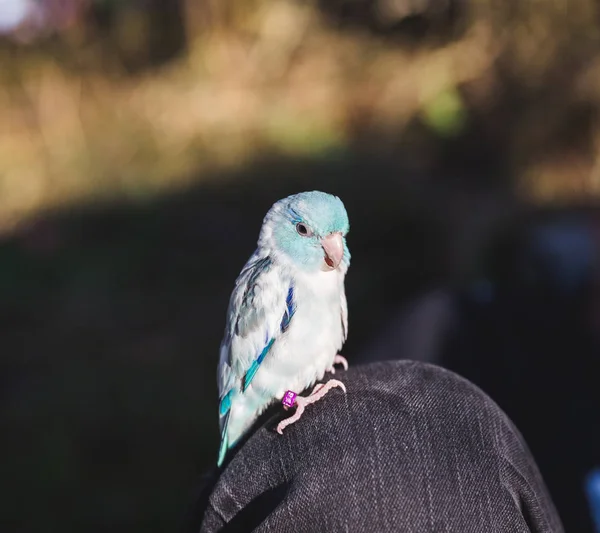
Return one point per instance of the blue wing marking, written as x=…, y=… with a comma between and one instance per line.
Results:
x=254, y=366
x=290, y=309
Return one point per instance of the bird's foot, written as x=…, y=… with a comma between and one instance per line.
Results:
x=320, y=390
x=338, y=360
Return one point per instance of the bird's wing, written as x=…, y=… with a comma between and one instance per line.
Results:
x=260, y=310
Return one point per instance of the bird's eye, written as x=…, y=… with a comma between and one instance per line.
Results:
x=303, y=230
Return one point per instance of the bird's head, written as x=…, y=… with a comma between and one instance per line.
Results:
x=308, y=229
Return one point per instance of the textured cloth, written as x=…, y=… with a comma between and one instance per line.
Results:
x=410, y=448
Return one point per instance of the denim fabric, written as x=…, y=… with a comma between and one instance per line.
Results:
x=410, y=448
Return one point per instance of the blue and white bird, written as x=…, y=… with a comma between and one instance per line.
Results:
x=287, y=317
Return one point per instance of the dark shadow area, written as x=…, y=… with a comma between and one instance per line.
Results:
x=531, y=341
x=256, y=511
x=525, y=329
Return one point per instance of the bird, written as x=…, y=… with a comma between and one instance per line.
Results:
x=287, y=317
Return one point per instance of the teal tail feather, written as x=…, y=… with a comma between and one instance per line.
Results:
x=224, y=444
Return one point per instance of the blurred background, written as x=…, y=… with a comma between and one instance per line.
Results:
x=142, y=142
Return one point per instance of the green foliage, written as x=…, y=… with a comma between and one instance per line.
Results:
x=446, y=113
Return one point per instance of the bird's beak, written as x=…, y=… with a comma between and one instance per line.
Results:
x=333, y=246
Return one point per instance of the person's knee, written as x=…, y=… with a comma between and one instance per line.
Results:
x=405, y=439
x=394, y=405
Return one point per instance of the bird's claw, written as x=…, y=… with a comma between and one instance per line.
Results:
x=320, y=390
x=338, y=360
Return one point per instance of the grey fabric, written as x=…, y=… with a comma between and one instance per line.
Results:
x=410, y=448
